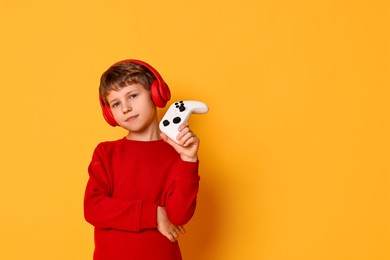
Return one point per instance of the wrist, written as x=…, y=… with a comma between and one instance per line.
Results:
x=160, y=215
x=189, y=159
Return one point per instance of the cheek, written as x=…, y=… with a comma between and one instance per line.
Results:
x=147, y=103
x=115, y=113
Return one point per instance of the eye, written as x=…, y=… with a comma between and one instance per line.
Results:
x=132, y=96
x=115, y=104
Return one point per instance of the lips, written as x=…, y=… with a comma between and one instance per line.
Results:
x=131, y=118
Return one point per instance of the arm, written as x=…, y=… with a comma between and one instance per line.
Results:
x=166, y=227
x=103, y=211
x=182, y=194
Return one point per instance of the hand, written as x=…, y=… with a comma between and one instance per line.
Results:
x=188, y=143
x=166, y=228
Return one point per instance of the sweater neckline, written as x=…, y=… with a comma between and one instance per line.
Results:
x=130, y=141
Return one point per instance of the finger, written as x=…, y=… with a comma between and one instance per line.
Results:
x=164, y=136
x=182, y=133
x=175, y=234
x=182, y=229
x=188, y=140
x=167, y=139
x=184, y=125
x=171, y=237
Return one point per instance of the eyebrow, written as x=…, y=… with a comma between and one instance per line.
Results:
x=126, y=94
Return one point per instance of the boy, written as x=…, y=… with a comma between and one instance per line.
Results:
x=142, y=189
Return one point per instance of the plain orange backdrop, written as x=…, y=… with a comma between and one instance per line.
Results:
x=294, y=150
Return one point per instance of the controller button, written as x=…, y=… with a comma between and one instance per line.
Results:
x=165, y=122
x=182, y=108
x=176, y=120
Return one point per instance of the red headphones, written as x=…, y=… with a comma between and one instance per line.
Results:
x=159, y=90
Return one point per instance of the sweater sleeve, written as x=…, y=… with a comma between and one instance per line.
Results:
x=103, y=211
x=183, y=191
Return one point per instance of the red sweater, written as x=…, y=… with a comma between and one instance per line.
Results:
x=127, y=181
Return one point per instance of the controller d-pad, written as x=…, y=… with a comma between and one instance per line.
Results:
x=176, y=120
x=180, y=106
x=165, y=122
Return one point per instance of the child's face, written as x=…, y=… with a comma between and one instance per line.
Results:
x=133, y=109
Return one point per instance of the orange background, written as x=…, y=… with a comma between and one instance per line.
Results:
x=294, y=151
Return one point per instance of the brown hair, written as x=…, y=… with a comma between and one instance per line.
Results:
x=123, y=74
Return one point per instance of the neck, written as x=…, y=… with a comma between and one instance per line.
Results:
x=143, y=137
x=151, y=133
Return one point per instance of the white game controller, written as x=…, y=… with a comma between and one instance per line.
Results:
x=177, y=114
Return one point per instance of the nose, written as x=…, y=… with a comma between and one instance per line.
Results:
x=126, y=108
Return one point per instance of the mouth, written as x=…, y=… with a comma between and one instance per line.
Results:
x=131, y=118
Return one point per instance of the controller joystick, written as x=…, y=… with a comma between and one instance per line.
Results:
x=177, y=114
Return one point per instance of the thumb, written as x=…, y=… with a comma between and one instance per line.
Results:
x=166, y=138
x=169, y=141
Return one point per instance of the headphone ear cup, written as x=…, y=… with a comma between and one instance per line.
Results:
x=107, y=114
x=160, y=93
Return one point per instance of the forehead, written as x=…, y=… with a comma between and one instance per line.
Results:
x=117, y=93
